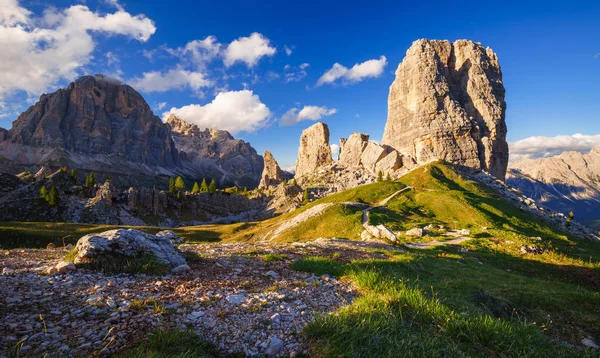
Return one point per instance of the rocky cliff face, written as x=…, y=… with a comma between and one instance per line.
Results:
x=272, y=174
x=95, y=124
x=447, y=102
x=314, y=151
x=568, y=182
x=215, y=154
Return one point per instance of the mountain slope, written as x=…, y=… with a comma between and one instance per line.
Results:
x=568, y=182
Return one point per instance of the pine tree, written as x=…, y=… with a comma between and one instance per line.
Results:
x=90, y=180
x=571, y=215
x=284, y=182
x=388, y=177
x=73, y=175
x=245, y=192
x=294, y=183
x=305, y=196
x=53, y=196
x=212, y=187
x=196, y=188
x=380, y=176
x=203, y=186
x=43, y=193
x=179, y=184
x=171, y=185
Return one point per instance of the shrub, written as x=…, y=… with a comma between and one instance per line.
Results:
x=90, y=180
x=180, y=184
x=171, y=185
x=43, y=193
x=380, y=176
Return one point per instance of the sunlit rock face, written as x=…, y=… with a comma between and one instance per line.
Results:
x=447, y=102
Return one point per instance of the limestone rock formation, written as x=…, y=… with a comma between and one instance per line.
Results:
x=96, y=123
x=314, y=151
x=447, y=102
x=215, y=154
x=564, y=183
x=272, y=173
x=351, y=149
x=129, y=243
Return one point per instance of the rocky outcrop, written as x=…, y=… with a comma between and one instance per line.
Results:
x=314, y=151
x=215, y=154
x=351, y=149
x=567, y=182
x=272, y=174
x=447, y=102
x=358, y=152
x=128, y=243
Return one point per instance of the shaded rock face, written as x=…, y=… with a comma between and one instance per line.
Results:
x=272, y=174
x=95, y=115
x=447, y=102
x=215, y=154
x=564, y=183
x=314, y=151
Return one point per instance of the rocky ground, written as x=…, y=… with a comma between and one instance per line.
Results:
x=241, y=297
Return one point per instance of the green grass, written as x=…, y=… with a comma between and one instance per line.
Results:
x=172, y=344
x=273, y=257
x=144, y=264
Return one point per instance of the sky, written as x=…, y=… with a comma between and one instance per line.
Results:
x=266, y=70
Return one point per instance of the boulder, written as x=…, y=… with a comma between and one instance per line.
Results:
x=351, y=149
x=272, y=174
x=447, y=102
x=128, y=243
x=44, y=172
x=61, y=267
x=314, y=151
x=417, y=232
x=389, y=163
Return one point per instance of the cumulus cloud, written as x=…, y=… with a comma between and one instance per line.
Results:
x=295, y=74
x=358, y=72
x=335, y=151
x=197, y=52
x=39, y=51
x=311, y=113
x=542, y=147
x=161, y=106
x=177, y=79
x=288, y=50
x=248, y=50
x=233, y=111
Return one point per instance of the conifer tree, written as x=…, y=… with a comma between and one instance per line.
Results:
x=43, y=193
x=284, y=182
x=53, y=196
x=180, y=184
x=212, y=187
x=203, y=186
x=294, y=183
x=196, y=188
x=90, y=180
x=388, y=177
x=305, y=196
x=73, y=175
x=171, y=185
x=571, y=215
x=380, y=176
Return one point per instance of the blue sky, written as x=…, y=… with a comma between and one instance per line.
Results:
x=549, y=53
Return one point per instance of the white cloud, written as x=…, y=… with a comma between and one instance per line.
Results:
x=197, y=52
x=111, y=58
x=115, y=3
x=38, y=52
x=233, y=111
x=542, y=147
x=358, y=72
x=288, y=50
x=335, y=150
x=174, y=79
x=311, y=113
x=161, y=106
x=248, y=50
x=295, y=74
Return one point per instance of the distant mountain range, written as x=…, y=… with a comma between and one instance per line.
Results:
x=564, y=183
x=101, y=125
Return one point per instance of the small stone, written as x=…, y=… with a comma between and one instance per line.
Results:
x=36, y=293
x=236, y=299
x=271, y=274
x=586, y=342
x=464, y=232
x=181, y=268
x=275, y=346
x=417, y=232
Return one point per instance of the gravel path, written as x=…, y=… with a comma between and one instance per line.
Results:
x=365, y=212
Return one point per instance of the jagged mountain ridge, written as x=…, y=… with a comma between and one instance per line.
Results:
x=564, y=183
x=99, y=124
